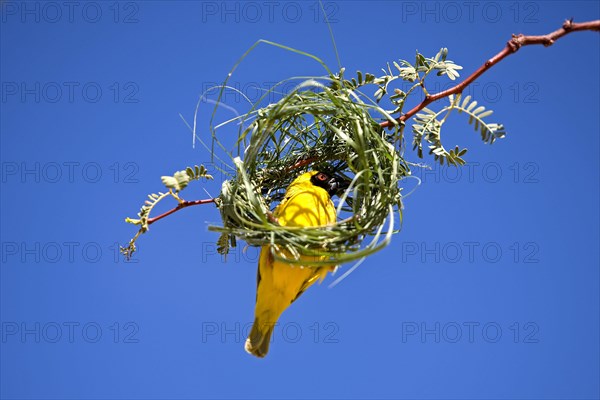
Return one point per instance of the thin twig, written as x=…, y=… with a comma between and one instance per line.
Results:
x=181, y=205
x=512, y=46
x=301, y=163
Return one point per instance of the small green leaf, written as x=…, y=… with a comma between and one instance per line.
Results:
x=478, y=110
x=466, y=101
x=471, y=106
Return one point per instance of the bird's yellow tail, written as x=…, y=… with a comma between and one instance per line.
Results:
x=259, y=339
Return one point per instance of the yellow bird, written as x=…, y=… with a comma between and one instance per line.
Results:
x=307, y=202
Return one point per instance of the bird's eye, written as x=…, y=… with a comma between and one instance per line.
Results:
x=322, y=177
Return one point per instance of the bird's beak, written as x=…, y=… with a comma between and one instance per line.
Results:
x=337, y=184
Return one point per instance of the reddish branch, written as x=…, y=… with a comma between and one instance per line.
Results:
x=301, y=163
x=179, y=207
x=512, y=46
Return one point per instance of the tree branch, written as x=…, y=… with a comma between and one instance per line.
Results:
x=181, y=205
x=514, y=44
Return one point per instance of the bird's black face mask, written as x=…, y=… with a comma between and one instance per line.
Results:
x=332, y=184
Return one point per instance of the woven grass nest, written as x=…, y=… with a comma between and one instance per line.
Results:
x=323, y=125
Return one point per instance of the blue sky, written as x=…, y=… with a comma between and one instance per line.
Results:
x=491, y=290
